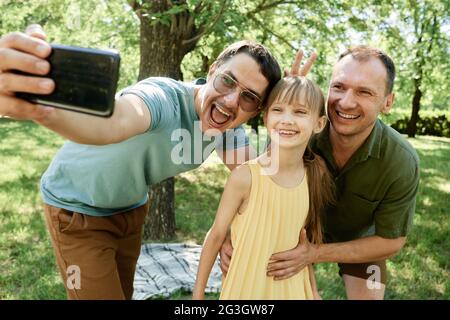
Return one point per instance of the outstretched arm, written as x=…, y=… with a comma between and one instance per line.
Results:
x=131, y=117
x=235, y=189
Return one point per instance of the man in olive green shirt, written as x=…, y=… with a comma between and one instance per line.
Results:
x=376, y=173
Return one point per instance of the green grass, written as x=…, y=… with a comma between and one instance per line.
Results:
x=28, y=271
x=27, y=267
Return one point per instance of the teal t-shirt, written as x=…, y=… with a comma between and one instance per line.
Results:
x=105, y=180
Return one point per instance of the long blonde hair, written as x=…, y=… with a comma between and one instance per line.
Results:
x=300, y=90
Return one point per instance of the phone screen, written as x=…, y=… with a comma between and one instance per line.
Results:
x=86, y=80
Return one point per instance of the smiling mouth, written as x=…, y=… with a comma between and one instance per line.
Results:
x=287, y=133
x=219, y=116
x=346, y=115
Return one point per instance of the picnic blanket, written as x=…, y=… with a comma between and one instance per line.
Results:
x=164, y=268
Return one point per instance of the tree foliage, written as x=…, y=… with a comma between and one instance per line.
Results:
x=284, y=26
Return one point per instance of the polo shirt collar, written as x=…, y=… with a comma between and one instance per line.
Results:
x=372, y=146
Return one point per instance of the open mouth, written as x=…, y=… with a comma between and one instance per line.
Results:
x=218, y=116
x=346, y=115
x=287, y=133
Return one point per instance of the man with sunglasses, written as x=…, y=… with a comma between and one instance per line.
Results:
x=95, y=189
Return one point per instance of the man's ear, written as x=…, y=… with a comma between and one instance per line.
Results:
x=211, y=70
x=320, y=124
x=388, y=103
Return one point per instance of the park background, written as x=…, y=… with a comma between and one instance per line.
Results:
x=180, y=39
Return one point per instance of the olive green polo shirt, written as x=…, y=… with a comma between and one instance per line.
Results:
x=376, y=189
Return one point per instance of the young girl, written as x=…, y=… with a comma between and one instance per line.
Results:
x=267, y=201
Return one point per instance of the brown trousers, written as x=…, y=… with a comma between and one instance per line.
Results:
x=96, y=256
x=365, y=270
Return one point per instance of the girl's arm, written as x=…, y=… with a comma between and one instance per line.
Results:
x=312, y=279
x=236, y=189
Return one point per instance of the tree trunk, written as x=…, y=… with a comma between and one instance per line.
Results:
x=162, y=50
x=412, y=124
x=429, y=27
x=159, y=57
x=160, y=220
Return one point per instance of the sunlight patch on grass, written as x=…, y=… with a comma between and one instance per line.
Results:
x=439, y=183
x=429, y=142
x=426, y=201
x=21, y=235
x=406, y=273
x=429, y=171
x=443, y=185
x=439, y=286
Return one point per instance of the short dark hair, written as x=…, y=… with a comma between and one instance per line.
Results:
x=268, y=64
x=363, y=53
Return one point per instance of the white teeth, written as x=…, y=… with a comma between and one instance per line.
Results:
x=346, y=116
x=222, y=111
x=287, y=132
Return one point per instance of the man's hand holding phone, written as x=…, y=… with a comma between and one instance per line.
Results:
x=25, y=52
x=25, y=72
x=84, y=79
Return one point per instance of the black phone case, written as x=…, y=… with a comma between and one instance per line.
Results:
x=86, y=80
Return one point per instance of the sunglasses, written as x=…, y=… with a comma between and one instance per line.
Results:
x=248, y=101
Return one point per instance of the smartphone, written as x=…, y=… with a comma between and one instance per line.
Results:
x=85, y=80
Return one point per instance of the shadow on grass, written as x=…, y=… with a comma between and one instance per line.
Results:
x=21, y=183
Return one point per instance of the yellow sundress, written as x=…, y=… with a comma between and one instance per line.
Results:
x=271, y=223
